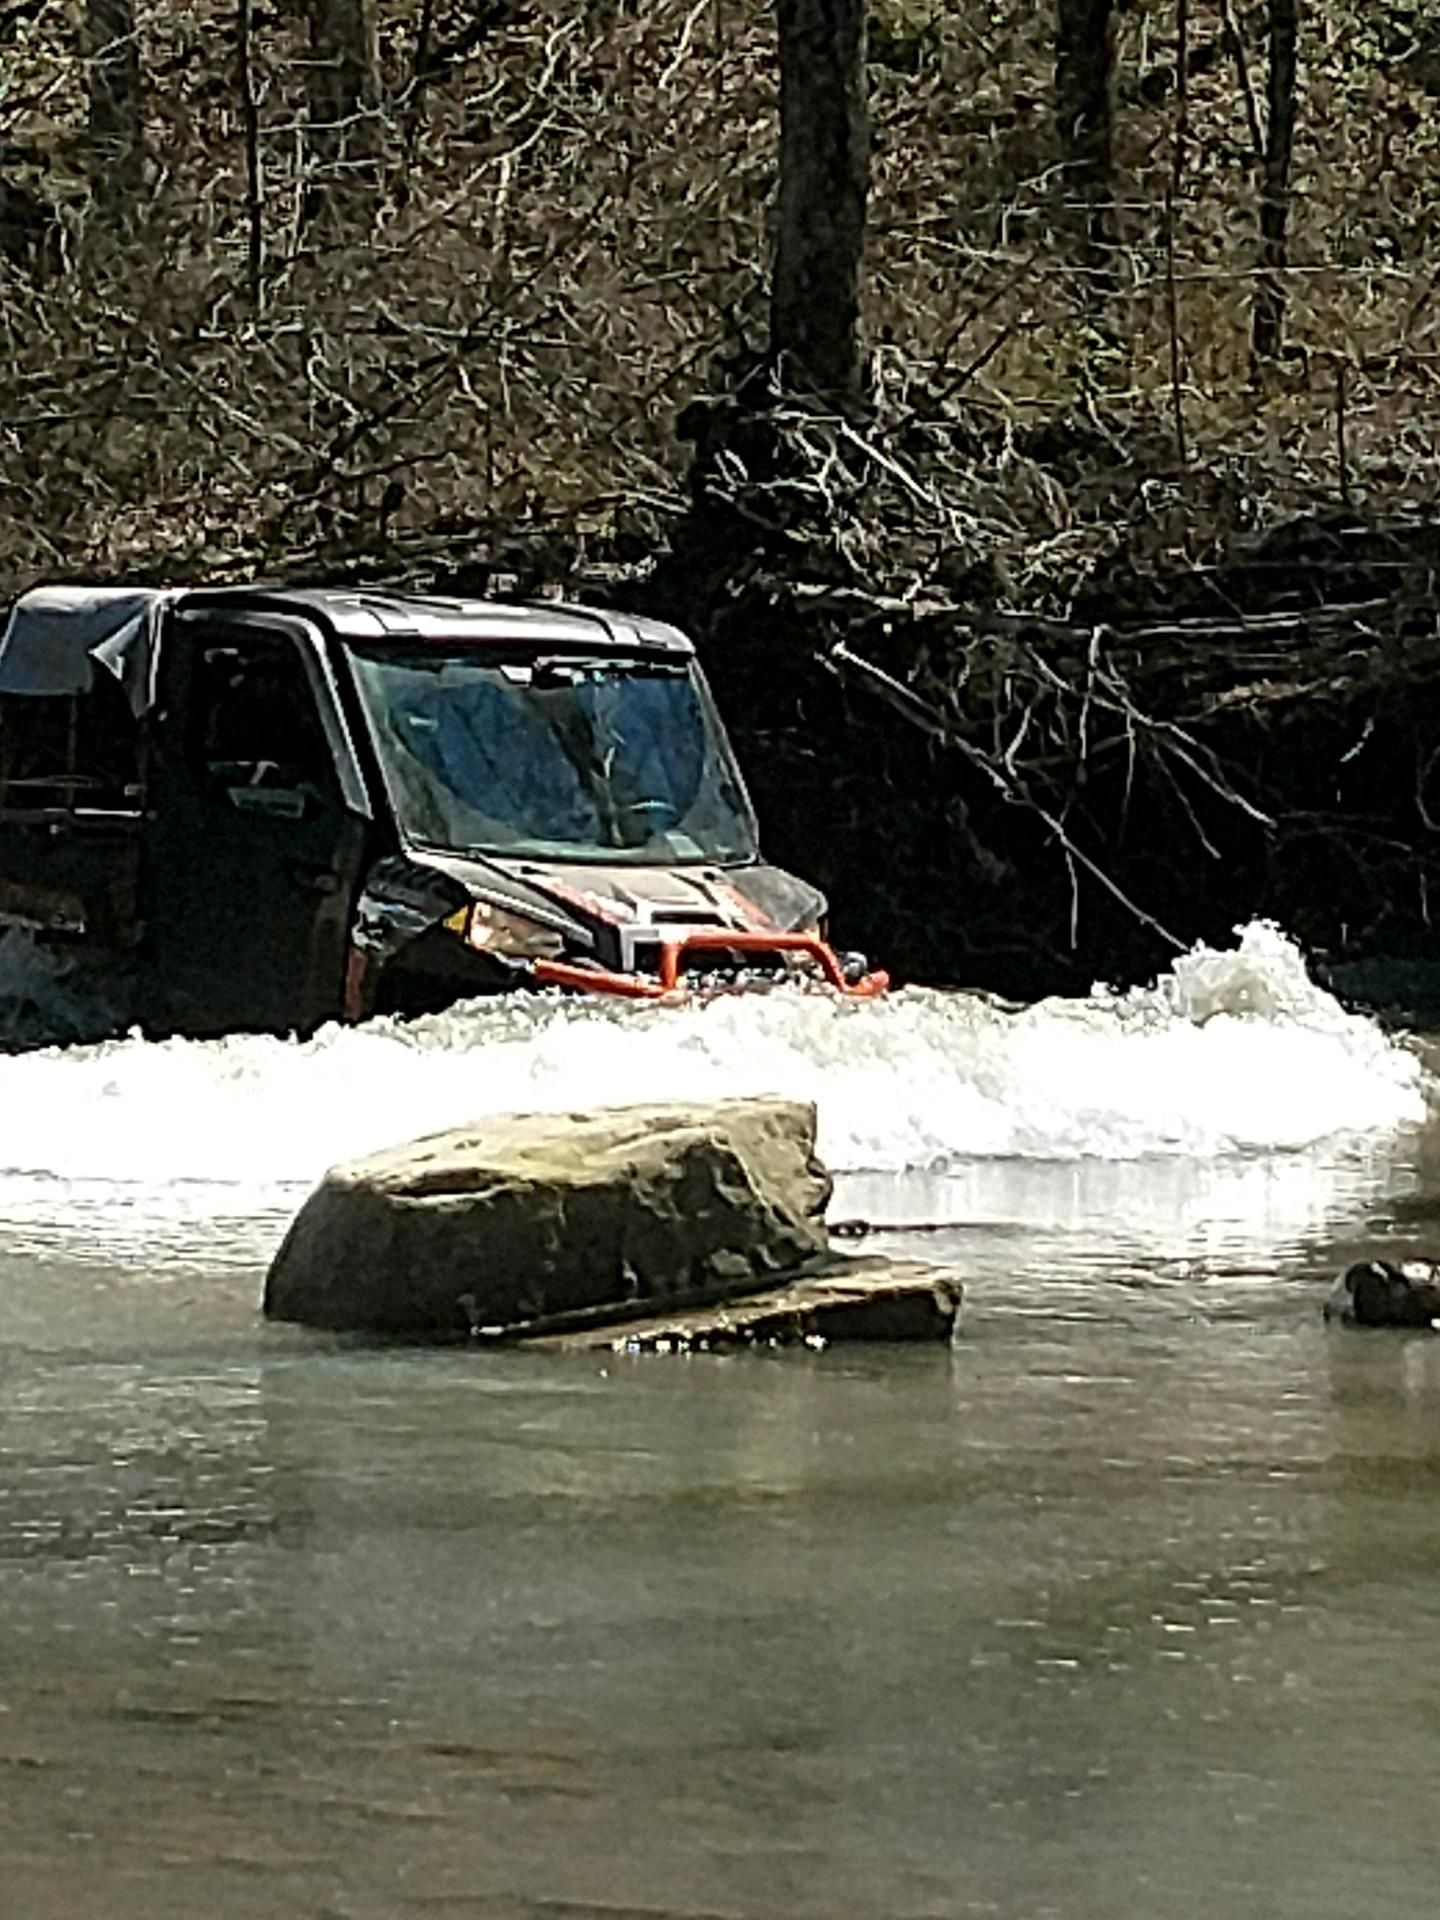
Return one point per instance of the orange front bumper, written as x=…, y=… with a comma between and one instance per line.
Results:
x=666, y=982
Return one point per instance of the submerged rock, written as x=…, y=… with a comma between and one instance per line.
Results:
x=526, y=1221
x=1376, y=1293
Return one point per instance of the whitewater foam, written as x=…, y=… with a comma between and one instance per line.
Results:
x=1231, y=1053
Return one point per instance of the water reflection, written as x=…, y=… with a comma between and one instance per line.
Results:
x=1259, y=1205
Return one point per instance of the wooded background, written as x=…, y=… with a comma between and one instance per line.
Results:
x=276, y=279
x=960, y=372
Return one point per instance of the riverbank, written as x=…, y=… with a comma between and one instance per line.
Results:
x=1172, y=725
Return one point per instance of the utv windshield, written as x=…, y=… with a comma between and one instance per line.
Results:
x=556, y=758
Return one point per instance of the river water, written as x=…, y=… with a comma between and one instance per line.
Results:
x=1125, y=1606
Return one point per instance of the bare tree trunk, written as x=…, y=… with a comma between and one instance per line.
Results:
x=343, y=97
x=117, y=143
x=1084, y=89
x=824, y=186
x=419, y=76
x=1268, y=336
x=250, y=121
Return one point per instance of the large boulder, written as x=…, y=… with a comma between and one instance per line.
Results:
x=529, y=1221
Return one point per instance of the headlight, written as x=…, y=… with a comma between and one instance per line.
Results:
x=491, y=929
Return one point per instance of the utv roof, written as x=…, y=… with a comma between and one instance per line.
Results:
x=56, y=636
x=364, y=613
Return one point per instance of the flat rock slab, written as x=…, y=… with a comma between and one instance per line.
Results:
x=532, y=1217
x=865, y=1299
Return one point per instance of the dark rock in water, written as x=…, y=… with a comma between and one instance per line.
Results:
x=1376, y=1293
x=530, y=1222
x=46, y=1000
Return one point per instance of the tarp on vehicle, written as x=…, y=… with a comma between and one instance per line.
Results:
x=56, y=636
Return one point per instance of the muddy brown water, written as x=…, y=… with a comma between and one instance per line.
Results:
x=1126, y=1607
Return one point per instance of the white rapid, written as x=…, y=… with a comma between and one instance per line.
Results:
x=1234, y=1060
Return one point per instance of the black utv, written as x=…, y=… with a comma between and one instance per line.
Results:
x=267, y=809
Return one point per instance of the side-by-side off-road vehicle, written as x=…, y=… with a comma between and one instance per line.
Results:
x=266, y=809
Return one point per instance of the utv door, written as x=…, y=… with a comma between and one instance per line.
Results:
x=255, y=837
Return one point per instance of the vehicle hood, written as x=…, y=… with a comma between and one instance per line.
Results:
x=757, y=898
x=599, y=911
